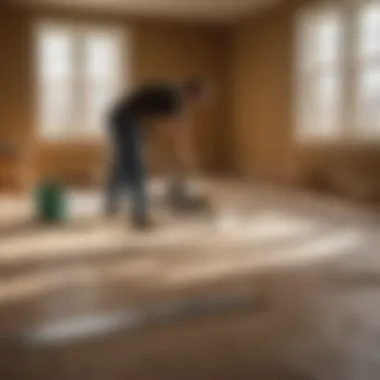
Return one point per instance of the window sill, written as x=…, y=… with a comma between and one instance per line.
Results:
x=349, y=143
x=74, y=140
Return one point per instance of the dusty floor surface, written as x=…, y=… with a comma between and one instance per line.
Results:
x=271, y=285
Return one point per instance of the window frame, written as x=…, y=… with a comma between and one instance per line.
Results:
x=363, y=64
x=351, y=71
x=315, y=73
x=72, y=132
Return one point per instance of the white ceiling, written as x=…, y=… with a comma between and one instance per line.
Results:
x=218, y=10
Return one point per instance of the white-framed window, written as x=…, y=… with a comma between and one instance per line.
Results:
x=81, y=69
x=367, y=79
x=319, y=73
x=338, y=72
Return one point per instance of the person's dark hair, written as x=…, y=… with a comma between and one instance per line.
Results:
x=194, y=88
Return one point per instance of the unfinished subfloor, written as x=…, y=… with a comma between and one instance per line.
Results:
x=271, y=285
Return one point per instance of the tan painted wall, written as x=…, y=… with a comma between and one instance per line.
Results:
x=162, y=50
x=261, y=68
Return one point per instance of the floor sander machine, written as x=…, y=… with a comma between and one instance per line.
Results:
x=182, y=198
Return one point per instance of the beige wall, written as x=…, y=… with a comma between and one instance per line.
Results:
x=261, y=70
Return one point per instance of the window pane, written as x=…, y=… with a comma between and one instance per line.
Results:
x=102, y=56
x=56, y=109
x=368, y=113
x=319, y=88
x=102, y=76
x=98, y=101
x=369, y=29
x=328, y=104
x=55, y=48
x=321, y=39
x=320, y=109
x=327, y=38
x=306, y=112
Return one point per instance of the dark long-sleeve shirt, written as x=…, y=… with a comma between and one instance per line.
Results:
x=163, y=100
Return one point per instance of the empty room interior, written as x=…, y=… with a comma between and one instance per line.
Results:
x=255, y=120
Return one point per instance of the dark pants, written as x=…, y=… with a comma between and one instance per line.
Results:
x=127, y=172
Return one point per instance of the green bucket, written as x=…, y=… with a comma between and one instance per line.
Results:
x=51, y=202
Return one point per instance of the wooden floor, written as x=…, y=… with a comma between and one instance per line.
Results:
x=270, y=285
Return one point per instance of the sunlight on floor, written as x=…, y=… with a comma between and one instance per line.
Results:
x=318, y=248
x=160, y=271
x=177, y=253
x=225, y=230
